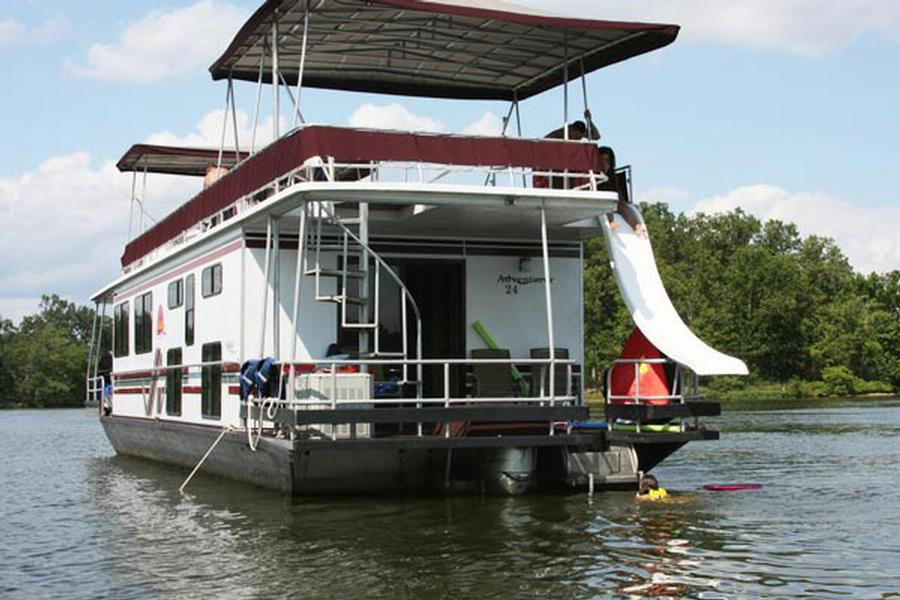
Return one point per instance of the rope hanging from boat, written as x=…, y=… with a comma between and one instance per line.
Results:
x=205, y=456
x=266, y=409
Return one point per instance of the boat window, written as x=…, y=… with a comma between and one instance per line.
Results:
x=211, y=281
x=120, y=330
x=173, y=382
x=143, y=323
x=211, y=378
x=176, y=293
x=189, y=310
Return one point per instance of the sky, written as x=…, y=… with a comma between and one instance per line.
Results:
x=787, y=109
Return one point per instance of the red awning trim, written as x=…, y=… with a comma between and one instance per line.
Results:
x=354, y=145
x=174, y=160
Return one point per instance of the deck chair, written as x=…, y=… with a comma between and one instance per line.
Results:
x=493, y=380
x=559, y=385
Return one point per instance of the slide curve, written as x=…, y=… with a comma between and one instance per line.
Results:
x=650, y=307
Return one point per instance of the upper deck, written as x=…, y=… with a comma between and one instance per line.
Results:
x=455, y=185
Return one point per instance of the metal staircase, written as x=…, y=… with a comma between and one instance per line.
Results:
x=359, y=270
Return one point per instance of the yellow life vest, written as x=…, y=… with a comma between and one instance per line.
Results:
x=657, y=494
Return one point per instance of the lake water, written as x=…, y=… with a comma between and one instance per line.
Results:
x=78, y=522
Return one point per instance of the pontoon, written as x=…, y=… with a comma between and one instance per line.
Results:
x=357, y=311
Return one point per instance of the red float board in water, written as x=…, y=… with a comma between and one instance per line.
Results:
x=652, y=375
x=732, y=487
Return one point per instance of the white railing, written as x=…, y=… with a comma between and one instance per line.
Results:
x=413, y=173
x=94, y=389
x=680, y=393
x=331, y=366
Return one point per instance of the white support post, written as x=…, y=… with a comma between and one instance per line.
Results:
x=566, y=86
x=363, y=337
x=519, y=133
x=262, y=64
x=131, y=204
x=549, y=301
x=298, y=116
x=237, y=149
x=588, y=121
x=265, y=302
x=143, y=196
x=224, y=124
x=276, y=83
x=298, y=282
x=276, y=289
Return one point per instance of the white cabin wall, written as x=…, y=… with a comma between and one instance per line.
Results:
x=317, y=327
x=516, y=316
x=216, y=318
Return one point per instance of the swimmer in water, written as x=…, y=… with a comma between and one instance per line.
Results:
x=649, y=489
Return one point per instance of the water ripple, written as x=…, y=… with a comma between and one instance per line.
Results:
x=78, y=522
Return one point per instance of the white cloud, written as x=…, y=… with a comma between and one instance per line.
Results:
x=47, y=31
x=397, y=116
x=51, y=28
x=488, y=124
x=866, y=234
x=10, y=30
x=806, y=27
x=392, y=116
x=15, y=308
x=164, y=44
x=74, y=217
x=75, y=212
x=208, y=132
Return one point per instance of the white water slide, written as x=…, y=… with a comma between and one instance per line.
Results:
x=647, y=301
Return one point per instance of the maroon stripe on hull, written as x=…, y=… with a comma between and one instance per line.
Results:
x=129, y=390
x=194, y=264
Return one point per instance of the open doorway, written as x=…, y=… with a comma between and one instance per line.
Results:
x=438, y=287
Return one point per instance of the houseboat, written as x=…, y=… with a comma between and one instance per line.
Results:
x=369, y=311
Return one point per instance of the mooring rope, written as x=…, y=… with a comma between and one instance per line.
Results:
x=266, y=406
x=205, y=456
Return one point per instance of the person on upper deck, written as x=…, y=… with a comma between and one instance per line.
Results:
x=577, y=131
x=213, y=174
x=607, y=160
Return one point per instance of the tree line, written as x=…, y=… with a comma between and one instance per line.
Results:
x=792, y=307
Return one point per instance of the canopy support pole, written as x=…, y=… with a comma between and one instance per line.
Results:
x=143, y=196
x=587, y=112
x=298, y=116
x=276, y=83
x=519, y=130
x=234, y=123
x=131, y=205
x=566, y=86
x=224, y=124
x=259, y=82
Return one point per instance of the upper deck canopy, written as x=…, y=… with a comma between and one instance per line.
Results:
x=477, y=49
x=174, y=160
x=360, y=146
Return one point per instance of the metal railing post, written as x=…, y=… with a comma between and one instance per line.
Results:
x=549, y=301
x=298, y=281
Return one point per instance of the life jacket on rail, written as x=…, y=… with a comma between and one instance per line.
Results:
x=652, y=376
